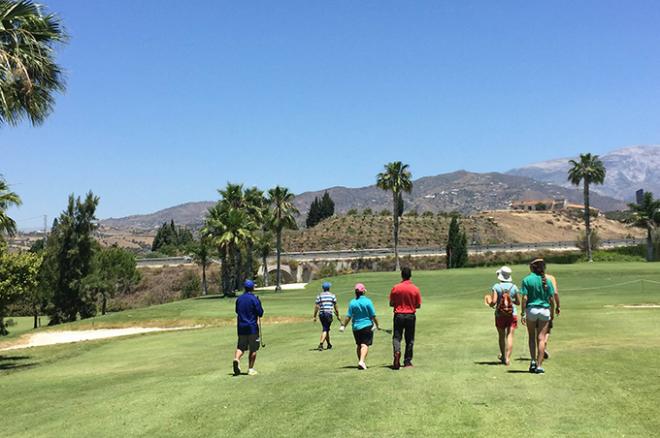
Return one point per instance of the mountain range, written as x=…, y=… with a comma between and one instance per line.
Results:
x=628, y=169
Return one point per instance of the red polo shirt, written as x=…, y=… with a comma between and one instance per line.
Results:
x=405, y=297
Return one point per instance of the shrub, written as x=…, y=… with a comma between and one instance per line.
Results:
x=190, y=285
x=352, y=212
x=582, y=240
x=328, y=270
x=367, y=212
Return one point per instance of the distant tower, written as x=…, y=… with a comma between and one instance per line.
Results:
x=639, y=196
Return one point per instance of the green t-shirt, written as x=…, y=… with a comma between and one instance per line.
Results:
x=537, y=295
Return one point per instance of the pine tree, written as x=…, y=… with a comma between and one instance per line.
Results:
x=327, y=206
x=456, y=245
x=68, y=259
x=314, y=214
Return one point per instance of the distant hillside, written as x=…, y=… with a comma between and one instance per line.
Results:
x=375, y=231
x=461, y=191
x=628, y=170
x=190, y=214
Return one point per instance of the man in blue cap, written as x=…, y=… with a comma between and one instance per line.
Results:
x=326, y=302
x=248, y=312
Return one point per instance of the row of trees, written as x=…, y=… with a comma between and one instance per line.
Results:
x=242, y=225
x=320, y=209
x=69, y=275
x=171, y=239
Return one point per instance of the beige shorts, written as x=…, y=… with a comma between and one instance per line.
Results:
x=538, y=314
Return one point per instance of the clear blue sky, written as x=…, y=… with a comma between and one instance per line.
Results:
x=167, y=101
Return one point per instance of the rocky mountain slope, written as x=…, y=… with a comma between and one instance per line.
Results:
x=462, y=191
x=628, y=170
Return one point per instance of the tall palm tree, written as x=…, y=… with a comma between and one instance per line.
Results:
x=255, y=204
x=588, y=170
x=29, y=75
x=647, y=215
x=7, y=199
x=202, y=256
x=397, y=179
x=228, y=229
x=283, y=216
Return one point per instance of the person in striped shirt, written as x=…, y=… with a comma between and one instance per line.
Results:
x=325, y=306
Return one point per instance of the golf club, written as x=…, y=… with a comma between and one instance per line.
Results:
x=261, y=336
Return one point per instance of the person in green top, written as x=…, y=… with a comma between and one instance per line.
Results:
x=538, y=310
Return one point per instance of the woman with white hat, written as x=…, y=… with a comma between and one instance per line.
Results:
x=504, y=299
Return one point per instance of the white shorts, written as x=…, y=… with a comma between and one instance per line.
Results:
x=538, y=314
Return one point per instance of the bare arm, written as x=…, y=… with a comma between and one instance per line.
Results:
x=316, y=311
x=523, y=315
x=493, y=299
x=375, y=320
x=556, y=302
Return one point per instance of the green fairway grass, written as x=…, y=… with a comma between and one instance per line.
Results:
x=603, y=378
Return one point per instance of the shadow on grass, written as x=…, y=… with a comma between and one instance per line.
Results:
x=518, y=372
x=488, y=362
x=14, y=362
x=214, y=297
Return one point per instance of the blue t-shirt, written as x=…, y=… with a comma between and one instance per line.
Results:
x=361, y=310
x=500, y=288
x=248, y=310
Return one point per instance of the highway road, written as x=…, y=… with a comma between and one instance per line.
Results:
x=350, y=254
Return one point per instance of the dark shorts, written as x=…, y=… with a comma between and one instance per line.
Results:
x=505, y=322
x=246, y=342
x=326, y=321
x=364, y=336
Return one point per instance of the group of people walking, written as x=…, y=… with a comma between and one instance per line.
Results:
x=539, y=301
x=537, y=297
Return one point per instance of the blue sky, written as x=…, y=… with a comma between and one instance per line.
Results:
x=167, y=101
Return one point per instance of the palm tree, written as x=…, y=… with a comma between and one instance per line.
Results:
x=7, y=199
x=647, y=215
x=255, y=206
x=588, y=170
x=29, y=75
x=202, y=256
x=264, y=246
x=283, y=212
x=397, y=179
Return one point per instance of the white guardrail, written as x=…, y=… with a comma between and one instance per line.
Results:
x=385, y=252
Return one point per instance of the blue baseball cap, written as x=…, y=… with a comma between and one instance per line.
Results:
x=249, y=285
x=327, y=285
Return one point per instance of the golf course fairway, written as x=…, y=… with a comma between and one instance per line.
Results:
x=603, y=377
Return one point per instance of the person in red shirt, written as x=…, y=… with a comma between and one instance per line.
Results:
x=405, y=299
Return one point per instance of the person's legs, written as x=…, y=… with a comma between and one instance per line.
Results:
x=238, y=355
x=409, y=336
x=252, y=358
x=501, y=335
x=364, y=350
x=542, y=335
x=509, y=345
x=397, y=334
x=324, y=335
x=531, y=335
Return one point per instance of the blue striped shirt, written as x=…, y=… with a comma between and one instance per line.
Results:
x=326, y=302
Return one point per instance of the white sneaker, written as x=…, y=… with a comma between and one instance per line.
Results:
x=252, y=372
x=362, y=365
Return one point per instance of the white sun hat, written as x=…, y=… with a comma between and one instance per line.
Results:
x=504, y=274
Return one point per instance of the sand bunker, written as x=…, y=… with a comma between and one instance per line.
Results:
x=290, y=286
x=53, y=337
x=642, y=306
